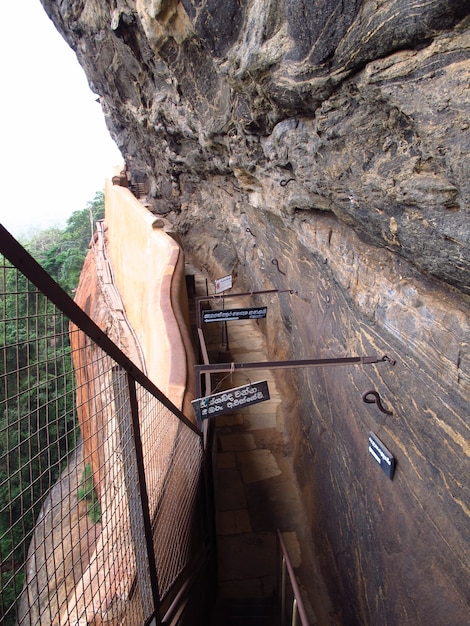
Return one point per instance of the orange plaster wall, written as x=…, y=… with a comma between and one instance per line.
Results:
x=148, y=270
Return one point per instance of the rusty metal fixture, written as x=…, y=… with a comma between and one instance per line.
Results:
x=373, y=397
x=216, y=368
x=276, y=263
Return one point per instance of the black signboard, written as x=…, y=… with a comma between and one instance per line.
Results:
x=230, y=400
x=227, y=315
x=380, y=454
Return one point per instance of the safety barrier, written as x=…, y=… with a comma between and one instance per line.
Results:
x=292, y=607
x=126, y=542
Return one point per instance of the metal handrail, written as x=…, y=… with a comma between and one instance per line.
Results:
x=22, y=260
x=298, y=607
x=217, y=368
x=37, y=275
x=223, y=296
x=178, y=603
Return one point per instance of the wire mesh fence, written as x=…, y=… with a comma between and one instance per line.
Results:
x=100, y=481
x=38, y=427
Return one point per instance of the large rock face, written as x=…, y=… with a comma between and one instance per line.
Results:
x=332, y=138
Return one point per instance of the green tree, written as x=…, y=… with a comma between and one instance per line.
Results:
x=37, y=419
x=37, y=414
x=62, y=252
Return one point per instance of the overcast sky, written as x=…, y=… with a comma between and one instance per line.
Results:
x=55, y=150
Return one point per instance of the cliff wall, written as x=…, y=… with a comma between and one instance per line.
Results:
x=333, y=139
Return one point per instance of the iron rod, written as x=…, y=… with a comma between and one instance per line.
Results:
x=293, y=581
x=295, y=612
x=215, y=368
x=283, y=590
x=128, y=445
x=139, y=453
x=205, y=358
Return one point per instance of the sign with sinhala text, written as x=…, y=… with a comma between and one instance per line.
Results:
x=380, y=454
x=228, y=315
x=230, y=400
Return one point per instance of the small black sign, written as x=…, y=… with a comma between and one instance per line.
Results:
x=228, y=315
x=230, y=400
x=379, y=453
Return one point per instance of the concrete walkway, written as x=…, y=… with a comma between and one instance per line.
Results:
x=255, y=488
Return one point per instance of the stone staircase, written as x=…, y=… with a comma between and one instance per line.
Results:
x=255, y=488
x=247, y=612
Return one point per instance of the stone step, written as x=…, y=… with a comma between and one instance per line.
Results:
x=246, y=612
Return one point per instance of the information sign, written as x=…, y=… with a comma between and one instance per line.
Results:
x=222, y=284
x=230, y=400
x=380, y=454
x=228, y=315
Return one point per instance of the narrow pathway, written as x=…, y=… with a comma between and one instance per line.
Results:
x=255, y=488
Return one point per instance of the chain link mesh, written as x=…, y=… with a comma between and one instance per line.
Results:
x=72, y=538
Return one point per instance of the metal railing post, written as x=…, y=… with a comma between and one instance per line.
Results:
x=288, y=571
x=144, y=495
x=283, y=590
x=295, y=613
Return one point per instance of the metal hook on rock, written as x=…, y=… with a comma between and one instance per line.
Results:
x=388, y=359
x=248, y=230
x=285, y=181
x=276, y=263
x=373, y=397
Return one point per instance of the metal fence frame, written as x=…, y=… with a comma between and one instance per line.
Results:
x=292, y=605
x=168, y=540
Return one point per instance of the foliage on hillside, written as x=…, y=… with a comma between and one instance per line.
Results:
x=62, y=252
x=37, y=415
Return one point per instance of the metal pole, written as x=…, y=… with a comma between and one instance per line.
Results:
x=349, y=360
x=205, y=358
x=131, y=480
x=147, y=523
x=295, y=587
x=283, y=590
x=295, y=613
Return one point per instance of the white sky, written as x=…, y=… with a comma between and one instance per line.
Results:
x=55, y=149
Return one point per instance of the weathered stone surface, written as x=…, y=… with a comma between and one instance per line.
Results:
x=338, y=134
x=382, y=90
x=56, y=548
